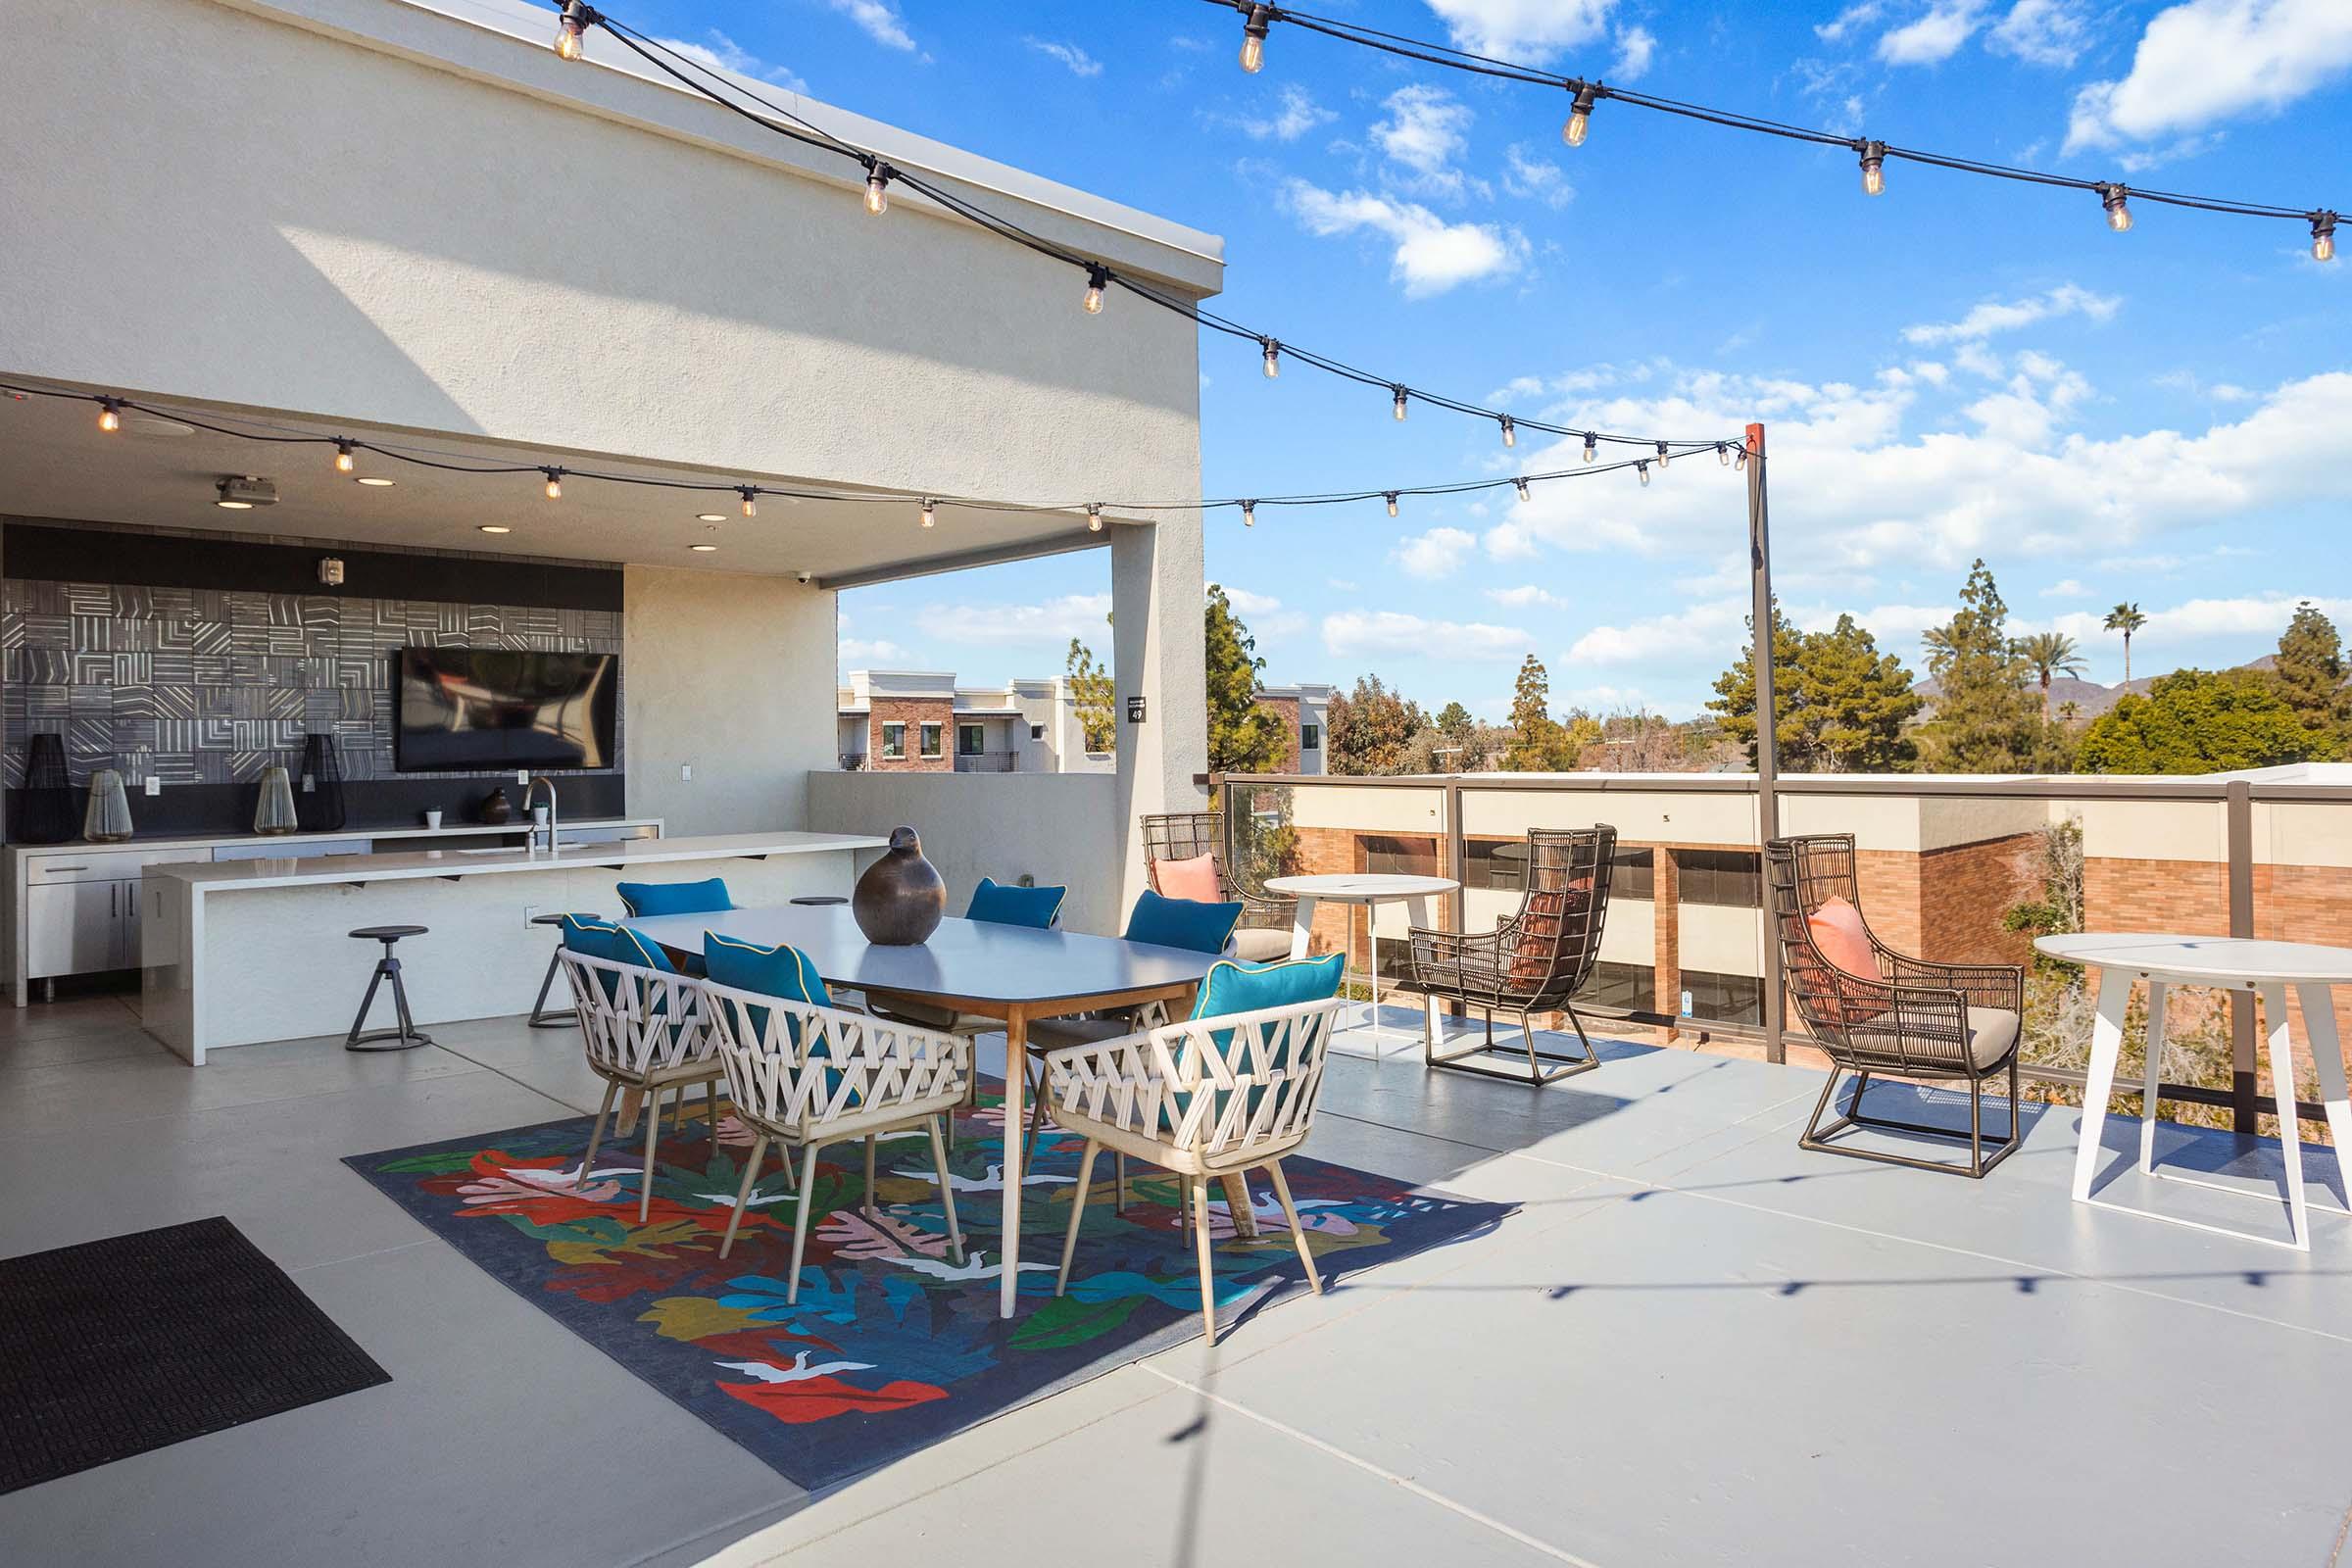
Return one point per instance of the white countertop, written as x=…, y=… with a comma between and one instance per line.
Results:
x=324, y=871
x=411, y=830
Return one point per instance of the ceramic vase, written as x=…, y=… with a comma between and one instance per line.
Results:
x=273, y=812
x=108, y=820
x=45, y=811
x=901, y=899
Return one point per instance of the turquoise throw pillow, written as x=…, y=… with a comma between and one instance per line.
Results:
x=1002, y=905
x=645, y=898
x=1182, y=923
x=587, y=934
x=1232, y=988
x=782, y=971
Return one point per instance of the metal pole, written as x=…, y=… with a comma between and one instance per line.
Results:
x=2238, y=815
x=1768, y=770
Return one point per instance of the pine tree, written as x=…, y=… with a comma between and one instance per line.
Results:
x=1243, y=736
x=2310, y=677
x=1454, y=722
x=1987, y=714
x=1539, y=743
x=1841, y=706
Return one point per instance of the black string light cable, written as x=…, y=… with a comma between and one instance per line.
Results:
x=1729, y=454
x=880, y=176
x=2114, y=196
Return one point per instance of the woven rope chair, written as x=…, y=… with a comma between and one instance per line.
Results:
x=1189, y=835
x=1205, y=1099
x=1915, y=1019
x=644, y=1030
x=805, y=1077
x=1533, y=961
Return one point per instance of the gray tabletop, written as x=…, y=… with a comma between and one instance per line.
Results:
x=974, y=959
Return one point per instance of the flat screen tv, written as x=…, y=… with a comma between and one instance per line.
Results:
x=487, y=710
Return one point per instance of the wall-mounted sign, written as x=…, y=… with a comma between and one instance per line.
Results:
x=1135, y=710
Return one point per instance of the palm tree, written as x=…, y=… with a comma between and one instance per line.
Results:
x=2050, y=652
x=2069, y=710
x=2126, y=619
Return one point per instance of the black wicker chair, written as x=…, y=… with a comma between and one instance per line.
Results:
x=1915, y=1019
x=1535, y=961
x=1265, y=930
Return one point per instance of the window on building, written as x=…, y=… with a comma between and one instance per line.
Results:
x=894, y=740
x=969, y=740
x=1037, y=732
x=1623, y=986
x=1310, y=737
x=1732, y=878
x=932, y=738
x=1723, y=998
x=1408, y=857
x=1502, y=864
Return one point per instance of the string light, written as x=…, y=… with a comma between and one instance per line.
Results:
x=344, y=461
x=1663, y=458
x=930, y=512
x=1874, y=168
x=1641, y=468
x=878, y=175
x=1723, y=452
x=1580, y=113
x=1399, y=390
x=1094, y=517
x=554, y=483
x=1390, y=495
x=751, y=499
x=2119, y=213
x=1510, y=431
x=1273, y=358
x=1254, y=38
x=1098, y=278
x=2323, y=236
x=109, y=415
x=1249, y=513
x=571, y=40
x=1521, y=484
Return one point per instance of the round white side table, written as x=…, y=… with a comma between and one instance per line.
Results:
x=1369, y=889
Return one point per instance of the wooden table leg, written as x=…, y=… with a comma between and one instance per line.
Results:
x=1016, y=1082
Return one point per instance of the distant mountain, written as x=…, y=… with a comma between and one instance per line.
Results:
x=2090, y=698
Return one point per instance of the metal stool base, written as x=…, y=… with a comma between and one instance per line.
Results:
x=407, y=1037
x=541, y=1017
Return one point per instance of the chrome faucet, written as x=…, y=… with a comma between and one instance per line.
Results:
x=554, y=817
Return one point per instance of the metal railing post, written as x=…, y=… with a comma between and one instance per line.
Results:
x=1768, y=728
x=2239, y=813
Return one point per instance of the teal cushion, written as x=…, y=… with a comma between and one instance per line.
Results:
x=594, y=937
x=1002, y=905
x=1182, y=923
x=1232, y=988
x=781, y=971
x=643, y=899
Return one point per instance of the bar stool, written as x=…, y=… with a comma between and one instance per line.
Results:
x=561, y=1017
x=819, y=899
x=406, y=1036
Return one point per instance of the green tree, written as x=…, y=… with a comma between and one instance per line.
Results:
x=1988, y=718
x=1540, y=742
x=1454, y=722
x=2310, y=675
x=1840, y=704
x=2050, y=652
x=2198, y=721
x=1369, y=731
x=1243, y=736
x=2126, y=619
x=1092, y=696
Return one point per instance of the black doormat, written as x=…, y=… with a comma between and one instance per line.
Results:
x=110, y=1349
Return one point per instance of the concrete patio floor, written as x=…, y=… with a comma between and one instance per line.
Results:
x=1694, y=1345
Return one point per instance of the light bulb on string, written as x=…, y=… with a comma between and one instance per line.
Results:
x=1254, y=38
x=1580, y=115
x=1510, y=431
x=1098, y=278
x=1249, y=513
x=1641, y=468
x=554, y=483
x=344, y=461
x=1591, y=447
x=1094, y=517
x=1723, y=454
x=1521, y=484
x=878, y=186
x=2118, y=212
x=110, y=415
x=1273, y=358
x=1390, y=495
x=1662, y=456
x=930, y=512
x=1400, y=393
x=1874, y=168
x=570, y=31
x=2323, y=236
x=1740, y=459
x=751, y=499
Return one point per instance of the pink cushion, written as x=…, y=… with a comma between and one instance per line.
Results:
x=1837, y=930
x=1194, y=879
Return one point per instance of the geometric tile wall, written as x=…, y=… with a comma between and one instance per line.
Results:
x=211, y=686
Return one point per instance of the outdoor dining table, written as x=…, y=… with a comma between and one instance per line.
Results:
x=1370, y=890
x=973, y=966
x=2229, y=963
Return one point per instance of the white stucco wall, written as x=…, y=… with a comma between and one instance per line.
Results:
x=1058, y=827
x=733, y=675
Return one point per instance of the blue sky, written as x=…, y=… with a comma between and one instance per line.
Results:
x=1960, y=366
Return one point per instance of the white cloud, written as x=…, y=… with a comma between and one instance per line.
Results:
x=2041, y=32
x=1263, y=613
x=2035, y=401
x=1081, y=63
x=1363, y=633
x=1250, y=603
x=1893, y=625
x=858, y=653
x=1527, y=596
x=1341, y=585
x=1439, y=552
x=1081, y=615
x=1534, y=180
x=878, y=19
x=1430, y=255
x=1529, y=30
x=1848, y=21
x=2252, y=614
x=2211, y=60
x=1296, y=112
x=1706, y=630
x=722, y=53
x=1635, y=48
x=2065, y=588
x=1426, y=132
x=2007, y=316
x=1935, y=38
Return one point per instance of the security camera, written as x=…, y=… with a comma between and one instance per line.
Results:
x=808, y=578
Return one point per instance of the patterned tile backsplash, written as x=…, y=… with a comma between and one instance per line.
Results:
x=211, y=686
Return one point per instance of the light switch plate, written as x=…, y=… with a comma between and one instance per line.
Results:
x=685, y=772
x=155, y=785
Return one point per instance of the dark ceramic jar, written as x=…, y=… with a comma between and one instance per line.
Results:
x=901, y=899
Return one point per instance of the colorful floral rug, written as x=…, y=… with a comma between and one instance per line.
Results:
x=892, y=1346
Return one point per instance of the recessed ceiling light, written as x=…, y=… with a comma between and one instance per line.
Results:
x=709, y=516
x=373, y=481
x=702, y=550
x=496, y=528
x=226, y=505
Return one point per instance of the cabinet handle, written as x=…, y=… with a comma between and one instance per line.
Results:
x=114, y=894
x=52, y=870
